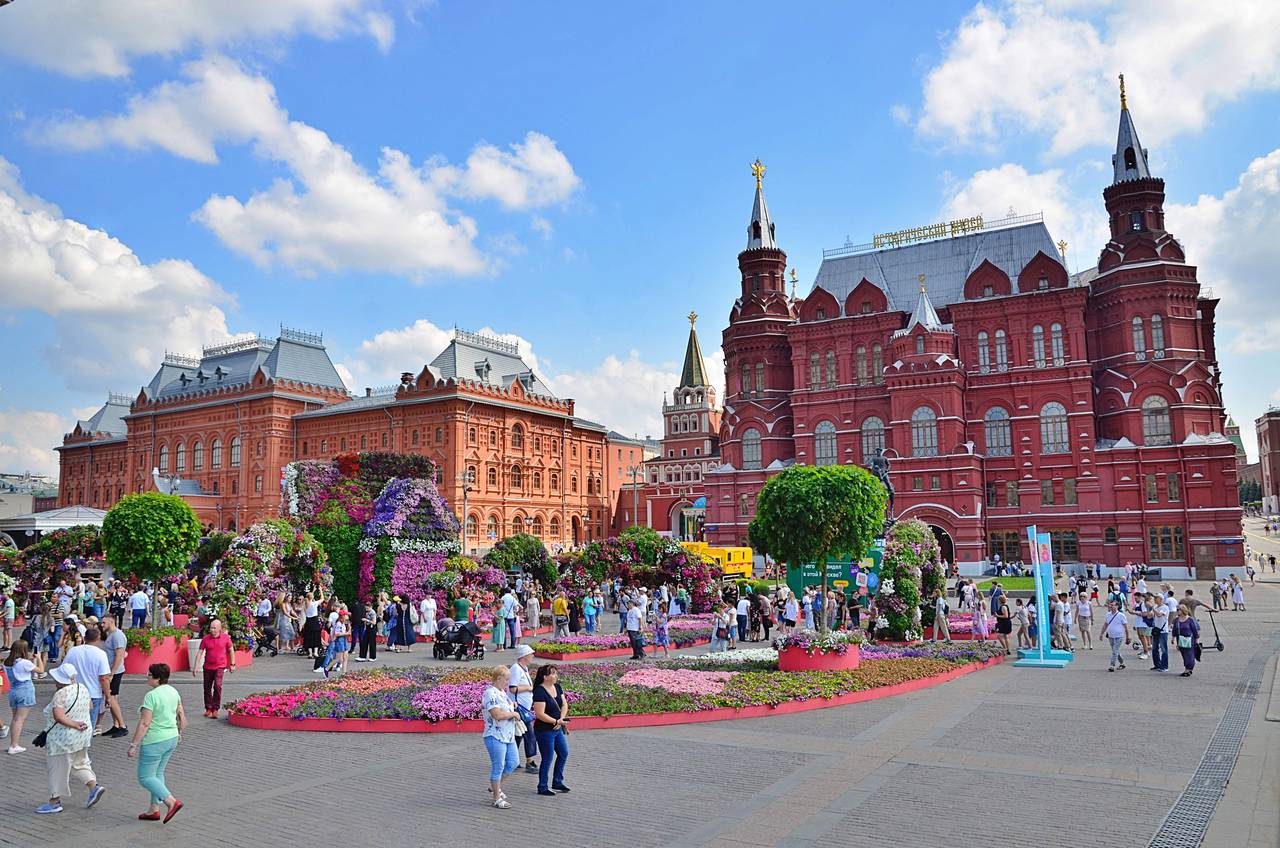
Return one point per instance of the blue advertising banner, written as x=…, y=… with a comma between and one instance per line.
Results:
x=1042, y=655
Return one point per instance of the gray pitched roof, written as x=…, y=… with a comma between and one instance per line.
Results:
x=108, y=419
x=946, y=264
x=472, y=356
x=760, y=231
x=924, y=314
x=1130, y=161
x=292, y=356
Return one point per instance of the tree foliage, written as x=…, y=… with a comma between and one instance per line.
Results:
x=812, y=513
x=1250, y=491
x=150, y=536
x=524, y=551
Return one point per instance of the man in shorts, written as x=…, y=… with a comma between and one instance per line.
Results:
x=116, y=646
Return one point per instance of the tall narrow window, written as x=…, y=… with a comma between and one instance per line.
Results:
x=1157, y=337
x=746, y=380
x=1157, y=427
x=180, y=458
x=215, y=453
x=1153, y=489
x=831, y=369
x=759, y=376
x=919, y=344
x=517, y=436
x=924, y=432
x=517, y=479
x=877, y=364
x=1002, y=351
x=751, y=449
x=197, y=456
x=491, y=527
x=1054, y=437
x=1046, y=492
x=993, y=497
x=815, y=372
x=1057, y=344
x=1011, y=493
x=1069, y=492
x=491, y=478
x=860, y=358
x=164, y=459
x=872, y=438
x=1037, y=345
x=824, y=444
x=984, y=352
x=1173, y=487
x=1139, y=339
x=998, y=433
x=234, y=462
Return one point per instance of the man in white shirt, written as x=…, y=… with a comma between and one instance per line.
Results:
x=744, y=616
x=138, y=608
x=941, y=629
x=263, y=611
x=1115, y=626
x=635, y=623
x=1159, y=633
x=510, y=611
x=93, y=669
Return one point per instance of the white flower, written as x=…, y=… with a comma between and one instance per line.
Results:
x=886, y=588
x=882, y=623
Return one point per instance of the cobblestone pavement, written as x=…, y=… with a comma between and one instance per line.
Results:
x=1076, y=758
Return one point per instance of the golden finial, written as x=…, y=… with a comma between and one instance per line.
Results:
x=693, y=316
x=793, y=275
x=1124, y=103
x=758, y=169
x=921, y=279
x=1062, y=248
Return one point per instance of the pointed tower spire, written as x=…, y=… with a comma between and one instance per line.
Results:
x=924, y=314
x=694, y=373
x=760, y=230
x=1130, y=161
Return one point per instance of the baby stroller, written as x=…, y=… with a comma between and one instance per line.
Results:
x=265, y=638
x=462, y=641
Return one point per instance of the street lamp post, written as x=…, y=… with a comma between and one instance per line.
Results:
x=466, y=481
x=635, y=471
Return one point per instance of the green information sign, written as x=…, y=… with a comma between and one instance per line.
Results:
x=853, y=575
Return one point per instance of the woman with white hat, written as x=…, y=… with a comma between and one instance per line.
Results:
x=522, y=688
x=67, y=738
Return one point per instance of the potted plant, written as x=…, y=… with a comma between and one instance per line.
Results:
x=809, y=650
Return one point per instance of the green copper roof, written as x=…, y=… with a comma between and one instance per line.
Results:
x=695, y=370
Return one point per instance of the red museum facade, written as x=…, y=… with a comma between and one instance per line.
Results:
x=1004, y=390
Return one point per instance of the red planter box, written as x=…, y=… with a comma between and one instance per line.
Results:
x=611, y=652
x=961, y=637
x=244, y=659
x=797, y=659
x=393, y=725
x=181, y=619
x=170, y=650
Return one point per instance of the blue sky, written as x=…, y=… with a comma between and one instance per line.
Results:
x=578, y=178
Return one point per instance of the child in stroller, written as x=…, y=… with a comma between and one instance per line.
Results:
x=264, y=637
x=462, y=641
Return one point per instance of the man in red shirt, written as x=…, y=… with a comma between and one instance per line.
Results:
x=218, y=655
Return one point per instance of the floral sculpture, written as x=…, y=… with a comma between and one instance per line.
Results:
x=908, y=547
x=410, y=535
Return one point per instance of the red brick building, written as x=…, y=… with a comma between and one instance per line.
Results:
x=1003, y=390
x=219, y=429
x=1267, y=427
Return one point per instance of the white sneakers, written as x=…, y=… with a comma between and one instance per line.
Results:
x=17, y=749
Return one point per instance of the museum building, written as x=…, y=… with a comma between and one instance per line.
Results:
x=1004, y=390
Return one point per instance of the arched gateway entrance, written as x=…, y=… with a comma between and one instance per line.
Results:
x=945, y=543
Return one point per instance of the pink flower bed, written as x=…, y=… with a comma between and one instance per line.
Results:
x=678, y=682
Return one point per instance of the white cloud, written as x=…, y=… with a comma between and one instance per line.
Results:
x=1050, y=66
x=113, y=315
x=27, y=438
x=332, y=214
x=87, y=38
x=900, y=113
x=1081, y=222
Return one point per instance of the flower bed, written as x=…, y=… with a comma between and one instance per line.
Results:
x=684, y=631
x=602, y=695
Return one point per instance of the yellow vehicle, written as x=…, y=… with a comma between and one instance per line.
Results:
x=735, y=563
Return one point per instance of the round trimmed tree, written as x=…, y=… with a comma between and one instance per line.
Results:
x=811, y=513
x=150, y=536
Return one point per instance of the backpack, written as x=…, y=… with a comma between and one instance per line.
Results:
x=29, y=635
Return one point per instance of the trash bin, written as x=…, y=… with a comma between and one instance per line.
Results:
x=193, y=649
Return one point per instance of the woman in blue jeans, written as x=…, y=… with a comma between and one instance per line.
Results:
x=160, y=720
x=499, y=732
x=551, y=712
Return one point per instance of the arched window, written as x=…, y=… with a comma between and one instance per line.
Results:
x=860, y=357
x=984, y=352
x=924, y=432
x=364, y=441
x=197, y=456
x=1139, y=339
x=815, y=372
x=831, y=369
x=537, y=444
x=164, y=459
x=920, y=344
x=180, y=458
x=517, y=525
x=824, y=444
x=1157, y=427
x=517, y=436
x=516, y=477
x=439, y=435
x=471, y=475
x=491, y=478
x=491, y=527
x=759, y=376
x=472, y=521
x=872, y=438
x=751, y=449
x=555, y=482
x=745, y=388
x=537, y=481
x=1157, y=337
x=998, y=434
x=1054, y=437
x=215, y=453
x=555, y=527
x=573, y=485
x=1002, y=351
x=234, y=461
x=471, y=435
x=877, y=364
x=1037, y=345
x=1057, y=345
x=537, y=526
x=591, y=486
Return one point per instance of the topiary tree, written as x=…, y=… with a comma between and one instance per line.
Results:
x=150, y=536
x=525, y=551
x=646, y=546
x=811, y=513
x=908, y=547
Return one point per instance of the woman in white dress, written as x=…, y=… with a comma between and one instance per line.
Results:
x=533, y=609
x=427, y=616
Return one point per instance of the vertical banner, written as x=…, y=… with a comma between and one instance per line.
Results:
x=1042, y=656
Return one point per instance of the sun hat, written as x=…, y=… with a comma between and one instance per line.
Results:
x=64, y=674
x=523, y=651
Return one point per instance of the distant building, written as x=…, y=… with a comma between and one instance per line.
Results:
x=1268, y=430
x=1004, y=390
x=1232, y=432
x=218, y=430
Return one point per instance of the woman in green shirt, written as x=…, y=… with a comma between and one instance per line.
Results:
x=160, y=721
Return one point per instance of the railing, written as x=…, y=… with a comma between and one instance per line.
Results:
x=118, y=398
x=850, y=249
x=237, y=345
x=180, y=360
x=490, y=342
x=292, y=335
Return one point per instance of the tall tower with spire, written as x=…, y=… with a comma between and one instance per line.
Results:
x=756, y=433
x=692, y=421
